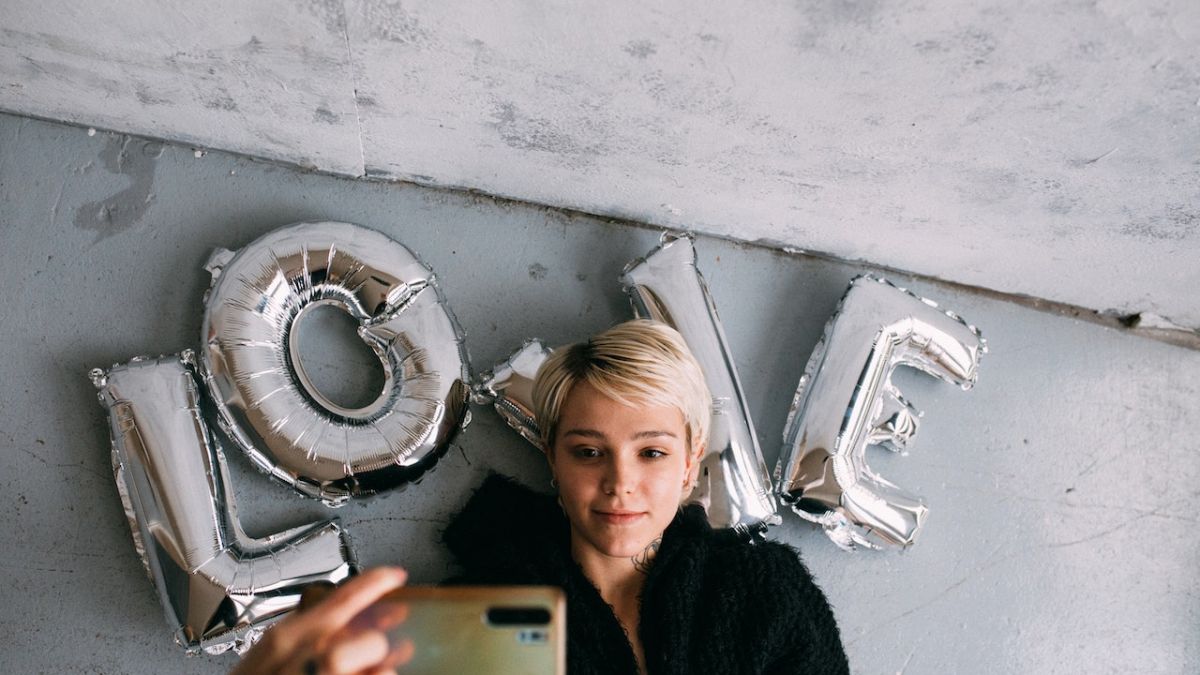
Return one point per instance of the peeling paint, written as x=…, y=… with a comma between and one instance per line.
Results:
x=135, y=159
x=1153, y=321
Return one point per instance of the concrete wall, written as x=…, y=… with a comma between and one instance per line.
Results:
x=1063, y=488
x=1047, y=148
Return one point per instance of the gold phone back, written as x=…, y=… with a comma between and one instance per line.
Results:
x=450, y=632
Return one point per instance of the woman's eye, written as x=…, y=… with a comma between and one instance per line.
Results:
x=587, y=453
x=653, y=453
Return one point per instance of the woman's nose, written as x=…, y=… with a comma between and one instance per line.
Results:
x=621, y=476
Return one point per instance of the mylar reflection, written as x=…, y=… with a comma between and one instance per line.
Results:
x=264, y=398
x=509, y=387
x=735, y=486
x=845, y=402
x=219, y=587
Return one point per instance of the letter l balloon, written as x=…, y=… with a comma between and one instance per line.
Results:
x=219, y=587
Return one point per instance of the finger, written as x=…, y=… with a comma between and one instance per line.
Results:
x=349, y=599
x=380, y=671
x=315, y=593
x=391, y=614
x=382, y=615
x=280, y=643
x=355, y=653
x=274, y=648
x=402, y=652
x=252, y=662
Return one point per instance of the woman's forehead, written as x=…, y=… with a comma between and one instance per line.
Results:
x=587, y=409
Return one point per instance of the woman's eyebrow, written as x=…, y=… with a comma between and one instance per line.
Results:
x=593, y=433
x=590, y=433
x=653, y=433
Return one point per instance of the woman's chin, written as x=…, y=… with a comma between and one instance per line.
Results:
x=618, y=538
x=623, y=547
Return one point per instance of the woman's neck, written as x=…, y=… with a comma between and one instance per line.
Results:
x=619, y=580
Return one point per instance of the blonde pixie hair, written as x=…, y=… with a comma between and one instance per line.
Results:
x=639, y=362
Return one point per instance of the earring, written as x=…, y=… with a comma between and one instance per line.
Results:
x=553, y=482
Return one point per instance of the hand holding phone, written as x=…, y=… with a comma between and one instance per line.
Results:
x=342, y=633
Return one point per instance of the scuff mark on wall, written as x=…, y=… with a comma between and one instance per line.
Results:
x=1080, y=163
x=325, y=116
x=1178, y=222
x=989, y=185
x=69, y=75
x=126, y=156
x=822, y=18
x=640, y=49
x=537, y=271
x=221, y=101
x=331, y=13
x=526, y=132
x=147, y=97
x=388, y=20
x=1062, y=205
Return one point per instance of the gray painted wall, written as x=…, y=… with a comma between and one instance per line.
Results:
x=1063, y=489
x=1047, y=148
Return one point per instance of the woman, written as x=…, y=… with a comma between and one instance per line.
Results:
x=650, y=587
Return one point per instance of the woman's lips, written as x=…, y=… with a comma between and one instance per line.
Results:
x=619, y=517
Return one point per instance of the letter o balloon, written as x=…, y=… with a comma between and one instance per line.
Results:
x=266, y=402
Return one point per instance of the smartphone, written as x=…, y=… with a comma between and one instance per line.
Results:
x=504, y=630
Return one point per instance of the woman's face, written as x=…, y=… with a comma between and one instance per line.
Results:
x=621, y=471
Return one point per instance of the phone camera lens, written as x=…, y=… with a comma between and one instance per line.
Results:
x=518, y=616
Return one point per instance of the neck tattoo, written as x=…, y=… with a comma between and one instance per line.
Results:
x=641, y=561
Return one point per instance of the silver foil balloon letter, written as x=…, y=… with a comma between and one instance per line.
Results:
x=219, y=587
x=735, y=486
x=266, y=402
x=509, y=387
x=846, y=401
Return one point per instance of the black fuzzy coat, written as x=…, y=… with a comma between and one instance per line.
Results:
x=712, y=602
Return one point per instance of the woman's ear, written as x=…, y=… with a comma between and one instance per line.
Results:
x=694, y=461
